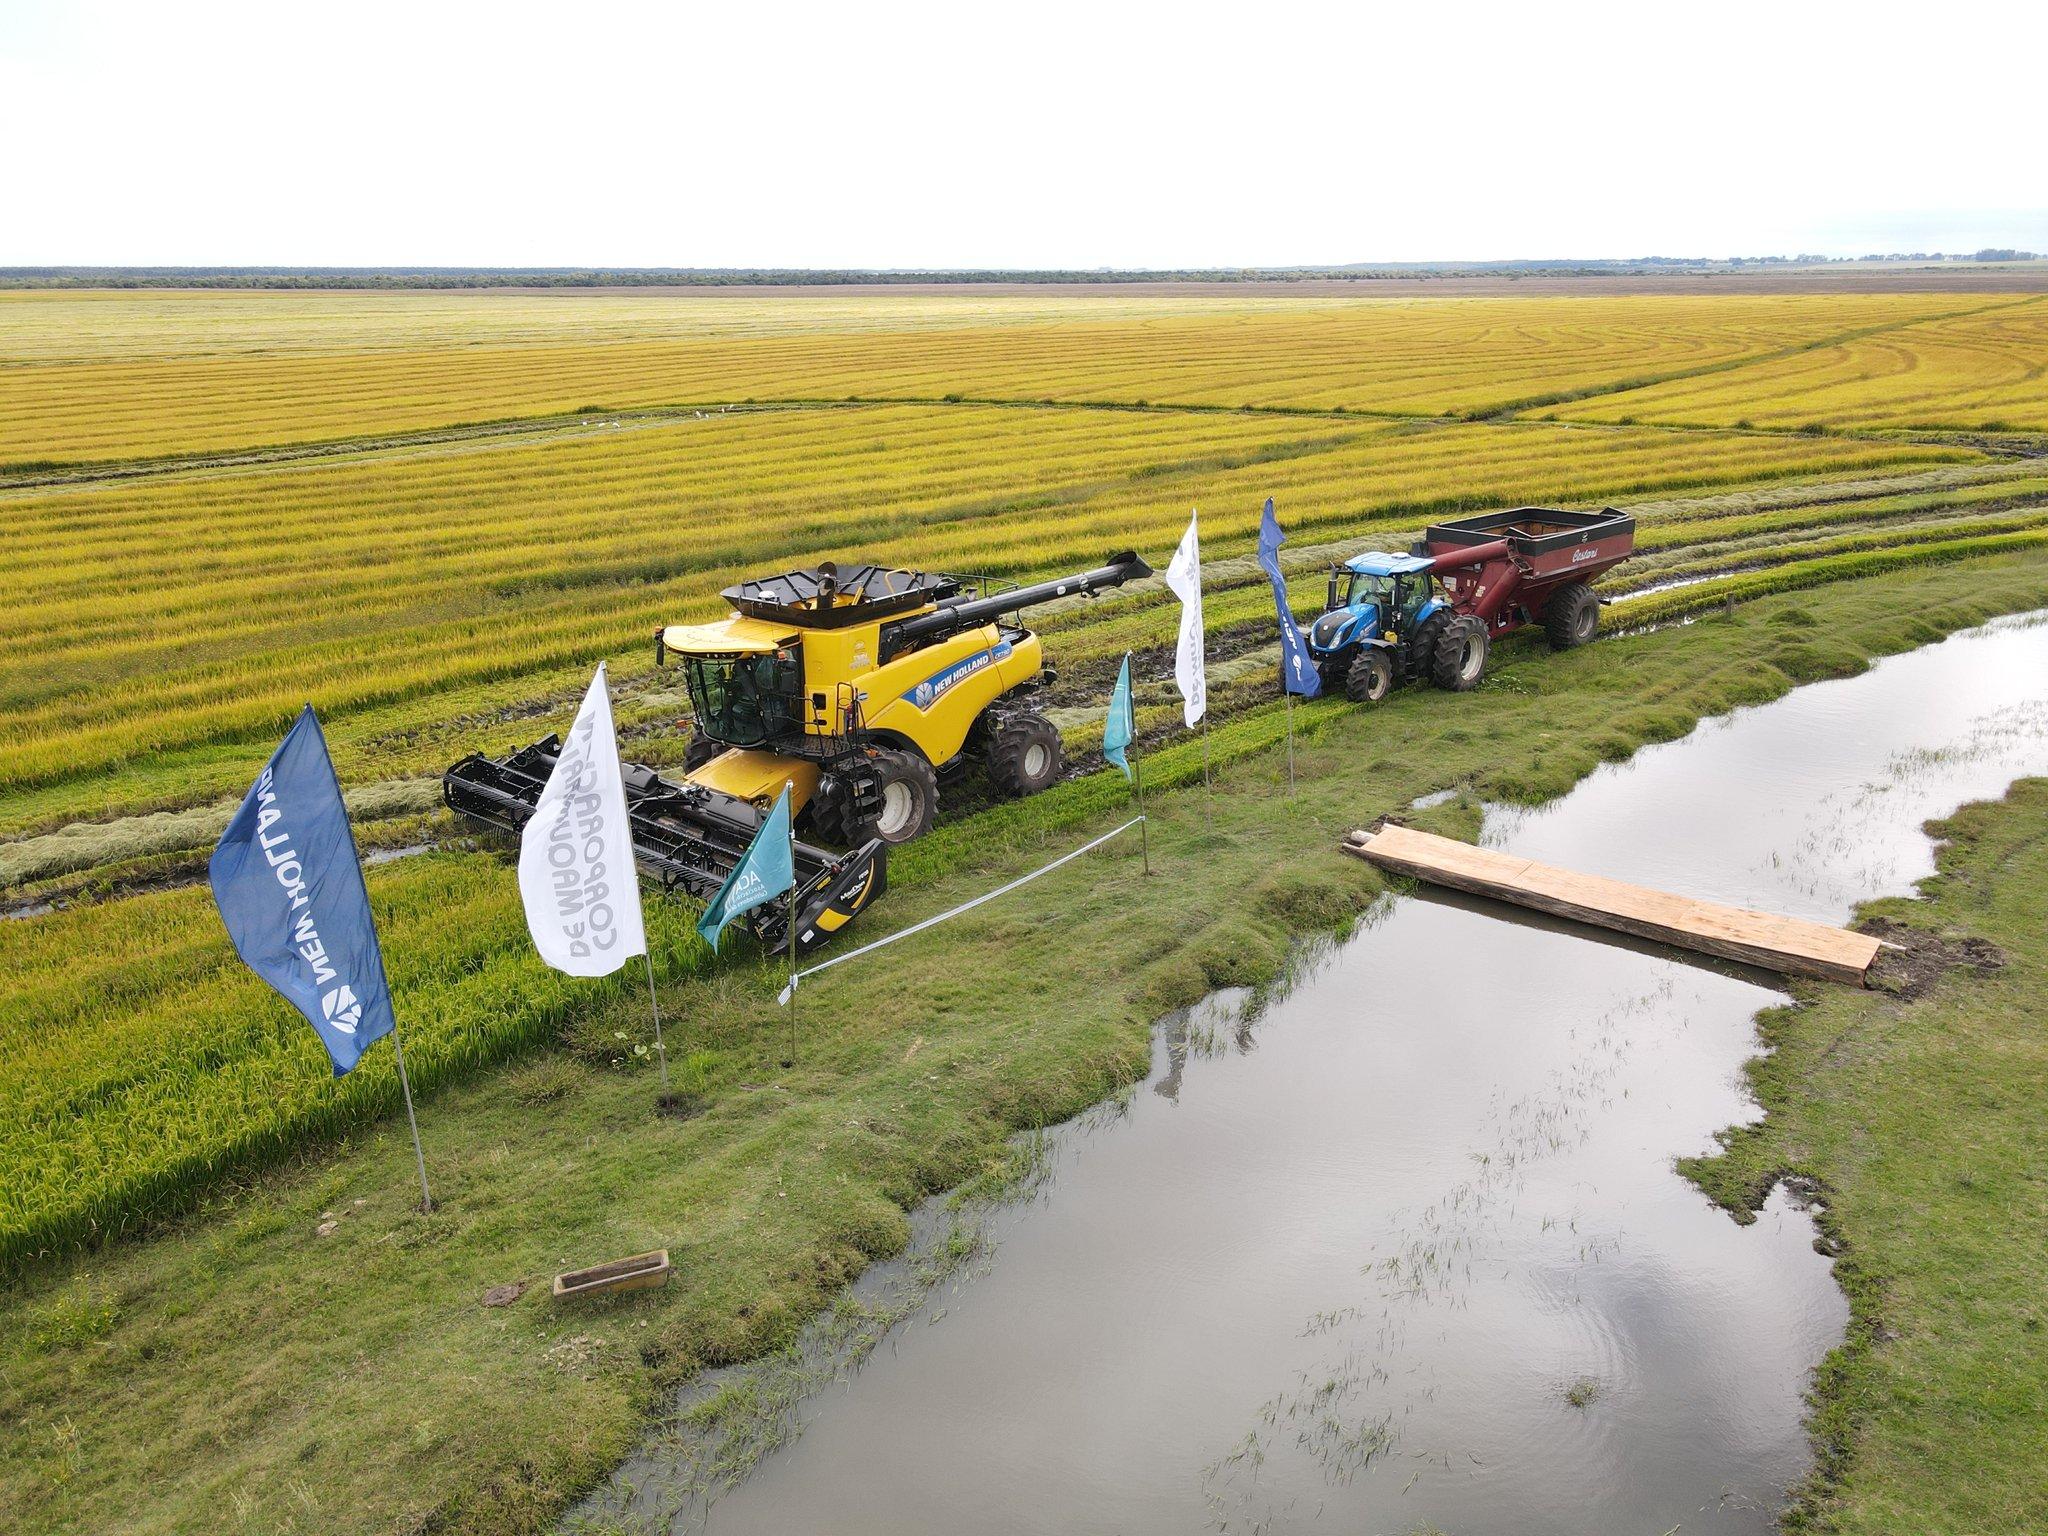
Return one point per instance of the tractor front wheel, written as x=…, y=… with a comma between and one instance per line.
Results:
x=910, y=796
x=1571, y=617
x=1460, y=658
x=1024, y=754
x=1371, y=677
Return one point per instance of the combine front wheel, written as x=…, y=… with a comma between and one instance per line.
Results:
x=910, y=796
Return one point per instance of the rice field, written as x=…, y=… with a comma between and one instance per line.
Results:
x=432, y=590
x=1983, y=371
x=86, y=380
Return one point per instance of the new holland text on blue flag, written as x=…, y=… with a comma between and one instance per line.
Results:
x=290, y=889
x=1297, y=669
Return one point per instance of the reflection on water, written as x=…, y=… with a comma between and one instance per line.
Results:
x=1401, y=1246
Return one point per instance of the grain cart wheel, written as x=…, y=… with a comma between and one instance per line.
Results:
x=910, y=797
x=1571, y=617
x=1460, y=657
x=1371, y=677
x=1024, y=754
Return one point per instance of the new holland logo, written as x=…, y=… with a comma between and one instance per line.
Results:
x=928, y=692
x=341, y=1008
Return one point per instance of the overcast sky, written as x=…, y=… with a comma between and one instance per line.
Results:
x=1011, y=135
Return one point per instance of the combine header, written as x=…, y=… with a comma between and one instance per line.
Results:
x=856, y=689
x=1388, y=622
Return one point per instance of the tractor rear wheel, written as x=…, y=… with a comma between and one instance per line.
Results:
x=910, y=797
x=1024, y=754
x=1418, y=655
x=1460, y=658
x=1371, y=677
x=1571, y=617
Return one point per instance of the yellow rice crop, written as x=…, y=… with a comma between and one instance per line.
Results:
x=138, y=618
x=87, y=379
x=1988, y=369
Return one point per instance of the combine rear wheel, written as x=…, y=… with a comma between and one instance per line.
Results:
x=1460, y=657
x=910, y=797
x=1571, y=617
x=1024, y=754
x=1371, y=677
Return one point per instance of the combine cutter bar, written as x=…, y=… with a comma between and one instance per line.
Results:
x=687, y=835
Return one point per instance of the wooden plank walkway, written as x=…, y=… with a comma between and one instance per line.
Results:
x=1786, y=944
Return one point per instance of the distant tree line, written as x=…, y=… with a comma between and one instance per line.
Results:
x=724, y=277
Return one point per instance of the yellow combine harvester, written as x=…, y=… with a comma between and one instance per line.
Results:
x=857, y=689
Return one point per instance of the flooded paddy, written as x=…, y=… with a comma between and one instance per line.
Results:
x=1400, y=1246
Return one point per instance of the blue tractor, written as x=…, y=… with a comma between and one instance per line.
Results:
x=1433, y=613
x=1387, y=623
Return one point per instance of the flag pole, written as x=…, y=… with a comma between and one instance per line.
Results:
x=1144, y=821
x=660, y=1049
x=405, y=1084
x=789, y=789
x=1289, y=693
x=419, y=1155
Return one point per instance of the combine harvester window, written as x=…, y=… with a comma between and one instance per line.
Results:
x=747, y=700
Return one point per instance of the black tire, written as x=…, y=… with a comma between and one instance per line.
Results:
x=1571, y=617
x=1418, y=655
x=1371, y=677
x=828, y=818
x=1332, y=672
x=910, y=798
x=1459, y=659
x=1024, y=754
x=699, y=751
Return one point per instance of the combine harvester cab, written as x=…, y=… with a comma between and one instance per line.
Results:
x=855, y=689
x=1434, y=612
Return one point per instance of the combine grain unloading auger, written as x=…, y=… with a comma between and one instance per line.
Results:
x=857, y=689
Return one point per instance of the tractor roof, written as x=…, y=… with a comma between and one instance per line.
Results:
x=829, y=597
x=1373, y=563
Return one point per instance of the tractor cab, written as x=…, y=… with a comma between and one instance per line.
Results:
x=1374, y=600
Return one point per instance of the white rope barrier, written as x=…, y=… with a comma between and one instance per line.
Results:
x=966, y=906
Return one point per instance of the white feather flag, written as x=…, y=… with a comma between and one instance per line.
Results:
x=576, y=872
x=1184, y=576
